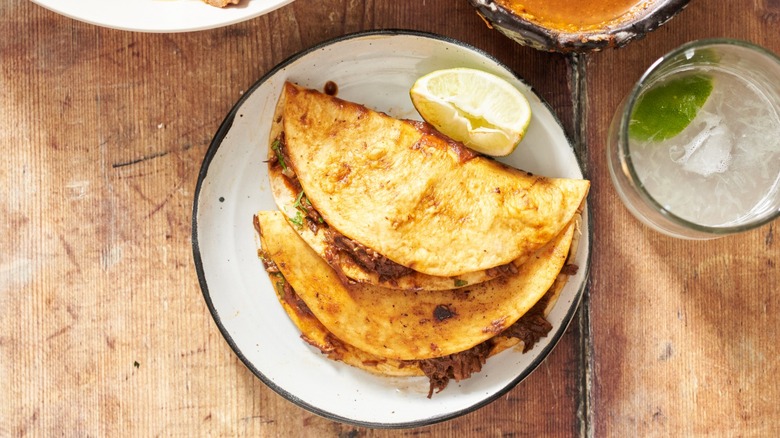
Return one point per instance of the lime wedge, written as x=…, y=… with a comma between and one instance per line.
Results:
x=479, y=109
x=665, y=110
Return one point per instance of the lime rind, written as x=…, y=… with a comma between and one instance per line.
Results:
x=664, y=111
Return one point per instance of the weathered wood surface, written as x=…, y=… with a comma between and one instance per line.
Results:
x=105, y=331
x=683, y=333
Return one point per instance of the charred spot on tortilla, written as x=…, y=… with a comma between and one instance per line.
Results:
x=442, y=312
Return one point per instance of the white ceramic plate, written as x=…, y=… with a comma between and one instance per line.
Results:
x=376, y=69
x=159, y=15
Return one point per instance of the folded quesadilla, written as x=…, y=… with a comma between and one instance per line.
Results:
x=405, y=206
x=355, y=262
x=443, y=335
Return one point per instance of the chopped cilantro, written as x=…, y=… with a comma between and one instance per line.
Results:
x=460, y=283
x=276, y=146
x=297, y=203
x=298, y=219
x=300, y=200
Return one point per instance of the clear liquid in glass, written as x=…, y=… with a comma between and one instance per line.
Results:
x=724, y=168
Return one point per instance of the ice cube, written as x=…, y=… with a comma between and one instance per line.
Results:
x=708, y=152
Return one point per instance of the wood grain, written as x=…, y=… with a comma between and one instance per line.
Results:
x=683, y=332
x=106, y=331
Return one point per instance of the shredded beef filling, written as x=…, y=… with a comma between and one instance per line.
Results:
x=333, y=257
x=284, y=288
x=313, y=218
x=530, y=328
x=503, y=270
x=570, y=269
x=269, y=264
x=281, y=158
x=458, y=366
x=367, y=258
x=337, y=350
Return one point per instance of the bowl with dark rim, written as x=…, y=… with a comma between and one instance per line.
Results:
x=525, y=26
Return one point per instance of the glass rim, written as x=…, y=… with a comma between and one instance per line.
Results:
x=626, y=160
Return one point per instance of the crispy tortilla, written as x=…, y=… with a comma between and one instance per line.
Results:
x=288, y=200
x=413, y=195
x=316, y=335
x=404, y=324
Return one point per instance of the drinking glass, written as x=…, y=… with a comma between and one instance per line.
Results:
x=717, y=174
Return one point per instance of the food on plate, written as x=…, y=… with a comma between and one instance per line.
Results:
x=400, y=251
x=410, y=198
x=221, y=3
x=355, y=262
x=402, y=324
x=480, y=109
x=440, y=334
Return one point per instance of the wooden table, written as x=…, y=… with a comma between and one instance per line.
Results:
x=105, y=331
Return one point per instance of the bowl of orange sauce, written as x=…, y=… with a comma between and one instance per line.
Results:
x=576, y=26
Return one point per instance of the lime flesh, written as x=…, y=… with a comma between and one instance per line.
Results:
x=484, y=111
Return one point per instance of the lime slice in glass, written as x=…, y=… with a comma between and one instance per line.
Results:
x=665, y=110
